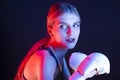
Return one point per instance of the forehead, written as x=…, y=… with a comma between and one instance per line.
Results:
x=68, y=18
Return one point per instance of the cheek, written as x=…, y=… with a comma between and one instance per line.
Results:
x=61, y=35
x=58, y=35
x=77, y=33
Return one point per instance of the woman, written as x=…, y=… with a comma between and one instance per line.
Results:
x=45, y=60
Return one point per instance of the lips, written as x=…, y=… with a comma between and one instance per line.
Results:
x=70, y=40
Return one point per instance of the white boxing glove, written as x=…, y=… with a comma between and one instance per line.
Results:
x=75, y=59
x=95, y=61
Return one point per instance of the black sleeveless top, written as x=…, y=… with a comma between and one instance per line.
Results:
x=64, y=74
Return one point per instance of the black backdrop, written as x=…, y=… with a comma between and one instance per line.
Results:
x=23, y=22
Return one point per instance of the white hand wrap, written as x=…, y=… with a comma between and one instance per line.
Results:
x=76, y=76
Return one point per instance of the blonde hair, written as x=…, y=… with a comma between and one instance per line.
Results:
x=58, y=9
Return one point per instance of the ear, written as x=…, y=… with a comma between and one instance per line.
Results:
x=50, y=33
x=50, y=30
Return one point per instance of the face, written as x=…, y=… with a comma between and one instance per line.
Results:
x=66, y=30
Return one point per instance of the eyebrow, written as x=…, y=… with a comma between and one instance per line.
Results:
x=77, y=22
x=62, y=23
x=66, y=23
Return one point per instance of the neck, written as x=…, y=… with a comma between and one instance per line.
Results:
x=59, y=51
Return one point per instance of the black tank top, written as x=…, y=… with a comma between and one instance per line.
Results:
x=64, y=74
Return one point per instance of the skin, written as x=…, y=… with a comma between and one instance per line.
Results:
x=65, y=27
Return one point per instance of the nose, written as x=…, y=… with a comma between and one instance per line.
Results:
x=69, y=31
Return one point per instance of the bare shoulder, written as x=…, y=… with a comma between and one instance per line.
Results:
x=45, y=56
x=41, y=63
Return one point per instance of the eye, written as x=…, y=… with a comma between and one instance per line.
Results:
x=76, y=25
x=63, y=26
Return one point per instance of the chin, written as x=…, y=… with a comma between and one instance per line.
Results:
x=70, y=47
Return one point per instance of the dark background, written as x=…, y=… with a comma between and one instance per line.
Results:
x=23, y=22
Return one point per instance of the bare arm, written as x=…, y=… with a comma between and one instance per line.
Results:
x=40, y=66
x=46, y=67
